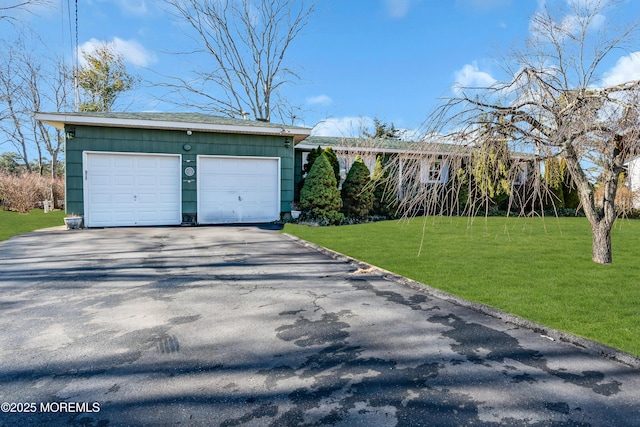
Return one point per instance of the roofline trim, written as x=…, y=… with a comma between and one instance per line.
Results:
x=372, y=149
x=304, y=146
x=59, y=120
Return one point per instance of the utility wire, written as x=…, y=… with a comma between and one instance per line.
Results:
x=77, y=62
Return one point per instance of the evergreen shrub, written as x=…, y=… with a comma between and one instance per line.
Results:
x=385, y=195
x=357, y=192
x=319, y=196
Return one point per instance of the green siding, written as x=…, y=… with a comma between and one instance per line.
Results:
x=106, y=139
x=297, y=176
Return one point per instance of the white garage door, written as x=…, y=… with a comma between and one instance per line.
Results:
x=238, y=189
x=132, y=189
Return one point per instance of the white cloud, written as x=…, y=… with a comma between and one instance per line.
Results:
x=133, y=7
x=626, y=69
x=347, y=127
x=132, y=51
x=580, y=14
x=470, y=76
x=356, y=127
x=411, y=134
x=398, y=8
x=320, y=100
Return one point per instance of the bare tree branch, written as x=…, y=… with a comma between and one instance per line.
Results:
x=19, y=5
x=248, y=41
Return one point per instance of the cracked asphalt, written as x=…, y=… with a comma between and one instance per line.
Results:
x=236, y=326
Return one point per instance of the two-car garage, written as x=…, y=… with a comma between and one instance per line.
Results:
x=140, y=169
x=134, y=189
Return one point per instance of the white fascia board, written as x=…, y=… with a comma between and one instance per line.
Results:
x=374, y=150
x=60, y=120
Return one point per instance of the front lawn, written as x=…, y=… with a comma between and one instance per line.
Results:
x=13, y=223
x=539, y=269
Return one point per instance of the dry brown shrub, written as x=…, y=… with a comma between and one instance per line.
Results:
x=22, y=192
x=624, y=198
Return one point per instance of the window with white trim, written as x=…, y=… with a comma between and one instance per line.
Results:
x=434, y=172
x=521, y=174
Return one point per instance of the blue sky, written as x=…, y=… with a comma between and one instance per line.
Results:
x=357, y=59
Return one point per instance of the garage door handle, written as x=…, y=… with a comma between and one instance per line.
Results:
x=239, y=198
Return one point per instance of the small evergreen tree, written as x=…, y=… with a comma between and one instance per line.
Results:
x=319, y=196
x=385, y=197
x=331, y=156
x=333, y=161
x=311, y=158
x=383, y=130
x=357, y=193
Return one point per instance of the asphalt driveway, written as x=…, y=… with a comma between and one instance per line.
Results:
x=244, y=326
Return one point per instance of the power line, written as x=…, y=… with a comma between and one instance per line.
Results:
x=77, y=63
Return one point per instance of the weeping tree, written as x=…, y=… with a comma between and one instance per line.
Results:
x=555, y=103
x=554, y=177
x=490, y=165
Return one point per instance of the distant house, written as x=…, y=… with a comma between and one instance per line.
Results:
x=430, y=163
x=633, y=180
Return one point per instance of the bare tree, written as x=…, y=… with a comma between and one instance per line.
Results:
x=10, y=7
x=248, y=41
x=12, y=96
x=30, y=82
x=556, y=104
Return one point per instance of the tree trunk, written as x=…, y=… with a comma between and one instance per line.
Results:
x=601, y=252
x=602, y=217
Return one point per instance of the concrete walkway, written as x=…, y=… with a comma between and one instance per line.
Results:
x=244, y=326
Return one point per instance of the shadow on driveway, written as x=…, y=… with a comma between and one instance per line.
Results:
x=244, y=326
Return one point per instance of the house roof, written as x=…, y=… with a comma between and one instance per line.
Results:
x=380, y=145
x=174, y=121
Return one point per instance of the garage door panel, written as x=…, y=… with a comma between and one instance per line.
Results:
x=166, y=181
x=101, y=198
x=147, y=216
x=130, y=189
x=124, y=162
x=238, y=189
x=99, y=162
x=123, y=180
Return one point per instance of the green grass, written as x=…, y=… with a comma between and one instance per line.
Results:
x=13, y=223
x=539, y=269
